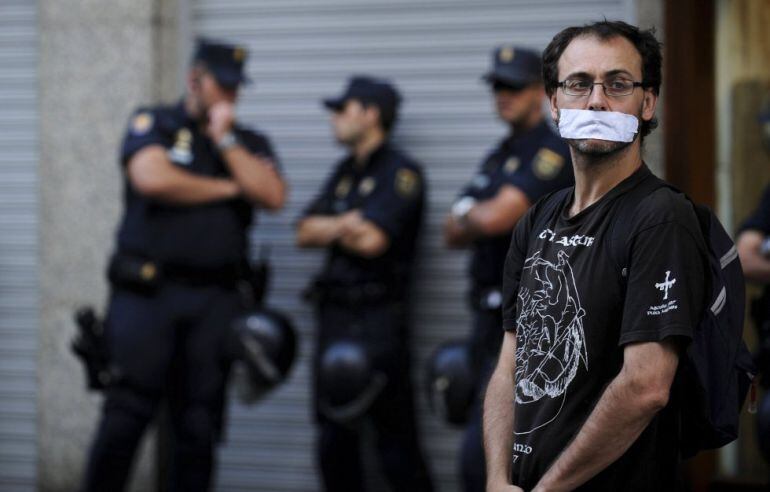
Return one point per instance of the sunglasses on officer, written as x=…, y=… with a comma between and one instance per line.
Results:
x=499, y=85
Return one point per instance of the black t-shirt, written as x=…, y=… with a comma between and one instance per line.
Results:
x=209, y=235
x=389, y=189
x=537, y=162
x=563, y=297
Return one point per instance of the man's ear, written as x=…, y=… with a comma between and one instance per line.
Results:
x=553, y=107
x=372, y=115
x=194, y=79
x=649, y=103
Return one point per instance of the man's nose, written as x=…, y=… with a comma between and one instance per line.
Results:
x=597, y=100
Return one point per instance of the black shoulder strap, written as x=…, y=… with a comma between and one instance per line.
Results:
x=546, y=205
x=621, y=224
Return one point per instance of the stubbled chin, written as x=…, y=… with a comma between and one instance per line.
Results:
x=594, y=146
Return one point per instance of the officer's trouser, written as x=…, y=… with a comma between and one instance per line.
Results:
x=486, y=339
x=383, y=328
x=169, y=344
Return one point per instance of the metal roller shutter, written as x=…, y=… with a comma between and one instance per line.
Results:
x=435, y=51
x=18, y=244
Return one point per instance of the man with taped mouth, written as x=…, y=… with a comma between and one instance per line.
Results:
x=582, y=396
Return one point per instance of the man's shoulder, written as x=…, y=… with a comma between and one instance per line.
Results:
x=251, y=132
x=147, y=119
x=664, y=206
x=396, y=159
x=549, y=139
x=159, y=110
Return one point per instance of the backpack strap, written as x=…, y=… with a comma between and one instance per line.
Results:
x=622, y=222
x=546, y=206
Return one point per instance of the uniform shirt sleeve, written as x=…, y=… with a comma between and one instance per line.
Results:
x=321, y=204
x=258, y=145
x=394, y=204
x=666, y=285
x=470, y=188
x=514, y=262
x=549, y=170
x=760, y=219
x=144, y=129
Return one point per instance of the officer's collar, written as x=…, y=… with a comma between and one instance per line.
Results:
x=371, y=161
x=184, y=116
x=538, y=129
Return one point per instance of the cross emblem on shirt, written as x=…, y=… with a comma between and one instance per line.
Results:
x=665, y=285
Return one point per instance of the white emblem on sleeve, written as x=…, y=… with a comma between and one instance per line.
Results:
x=665, y=285
x=666, y=304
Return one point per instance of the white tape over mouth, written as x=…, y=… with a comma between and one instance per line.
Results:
x=601, y=125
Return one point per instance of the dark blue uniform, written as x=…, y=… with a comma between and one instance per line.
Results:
x=536, y=162
x=167, y=337
x=364, y=299
x=759, y=221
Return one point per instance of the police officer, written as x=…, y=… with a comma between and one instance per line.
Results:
x=753, y=243
x=367, y=217
x=193, y=176
x=529, y=163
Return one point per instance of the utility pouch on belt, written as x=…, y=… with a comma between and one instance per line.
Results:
x=90, y=347
x=255, y=278
x=134, y=272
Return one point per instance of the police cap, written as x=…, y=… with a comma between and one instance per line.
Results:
x=224, y=61
x=514, y=66
x=368, y=90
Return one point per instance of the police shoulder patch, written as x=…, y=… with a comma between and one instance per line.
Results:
x=511, y=165
x=141, y=123
x=366, y=186
x=547, y=163
x=343, y=187
x=407, y=182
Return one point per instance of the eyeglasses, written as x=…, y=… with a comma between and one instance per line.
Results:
x=614, y=87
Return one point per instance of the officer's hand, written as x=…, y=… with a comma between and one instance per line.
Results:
x=265, y=161
x=221, y=119
x=349, y=221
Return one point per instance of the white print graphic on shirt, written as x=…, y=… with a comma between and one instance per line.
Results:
x=574, y=240
x=520, y=448
x=665, y=307
x=549, y=335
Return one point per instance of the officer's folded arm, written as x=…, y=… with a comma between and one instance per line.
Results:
x=755, y=266
x=258, y=180
x=349, y=229
x=318, y=231
x=628, y=404
x=365, y=238
x=487, y=218
x=152, y=174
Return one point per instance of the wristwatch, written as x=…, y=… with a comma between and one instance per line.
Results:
x=461, y=208
x=227, y=141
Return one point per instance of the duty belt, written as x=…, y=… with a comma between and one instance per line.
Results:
x=366, y=292
x=132, y=271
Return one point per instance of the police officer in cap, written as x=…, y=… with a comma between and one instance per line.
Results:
x=528, y=163
x=193, y=177
x=367, y=217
